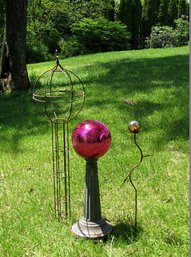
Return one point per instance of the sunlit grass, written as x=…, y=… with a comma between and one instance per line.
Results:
x=156, y=81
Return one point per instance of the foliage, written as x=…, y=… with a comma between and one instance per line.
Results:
x=161, y=13
x=182, y=31
x=172, y=12
x=165, y=36
x=162, y=36
x=36, y=51
x=51, y=22
x=130, y=13
x=110, y=11
x=45, y=15
x=91, y=9
x=122, y=11
x=149, y=15
x=70, y=47
x=52, y=40
x=100, y=35
x=45, y=20
x=2, y=11
x=183, y=8
x=163, y=18
x=157, y=81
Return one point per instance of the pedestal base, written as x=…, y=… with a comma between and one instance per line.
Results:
x=92, y=230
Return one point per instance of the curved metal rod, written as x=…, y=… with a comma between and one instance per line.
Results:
x=130, y=178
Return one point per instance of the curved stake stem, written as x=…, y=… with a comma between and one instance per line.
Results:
x=130, y=178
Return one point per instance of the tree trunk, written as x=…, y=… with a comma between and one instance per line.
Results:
x=13, y=57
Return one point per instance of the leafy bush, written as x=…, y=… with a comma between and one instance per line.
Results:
x=101, y=35
x=162, y=36
x=36, y=51
x=182, y=31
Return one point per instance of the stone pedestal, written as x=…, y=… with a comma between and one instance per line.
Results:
x=92, y=225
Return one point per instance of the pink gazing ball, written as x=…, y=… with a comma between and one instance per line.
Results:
x=91, y=139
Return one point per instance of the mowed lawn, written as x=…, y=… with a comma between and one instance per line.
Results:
x=149, y=86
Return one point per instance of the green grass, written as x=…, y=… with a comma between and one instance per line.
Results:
x=157, y=81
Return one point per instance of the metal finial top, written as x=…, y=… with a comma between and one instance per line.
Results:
x=59, y=93
x=134, y=127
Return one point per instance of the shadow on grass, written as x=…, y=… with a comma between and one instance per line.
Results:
x=140, y=75
x=121, y=78
x=18, y=119
x=164, y=79
x=126, y=231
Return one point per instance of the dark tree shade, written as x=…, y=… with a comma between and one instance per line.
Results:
x=2, y=12
x=110, y=12
x=183, y=8
x=163, y=18
x=130, y=13
x=149, y=16
x=13, y=58
x=136, y=23
x=172, y=11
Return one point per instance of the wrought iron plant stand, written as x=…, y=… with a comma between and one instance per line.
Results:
x=59, y=95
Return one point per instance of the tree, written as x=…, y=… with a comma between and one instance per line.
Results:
x=163, y=18
x=2, y=10
x=51, y=21
x=13, y=56
x=90, y=9
x=172, y=12
x=130, y=13
x=110, y=11
x=149, y=16
x=183, y=8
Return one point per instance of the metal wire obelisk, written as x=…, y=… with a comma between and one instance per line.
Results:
x=59, y=95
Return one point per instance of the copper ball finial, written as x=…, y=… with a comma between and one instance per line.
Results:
x=134, y=127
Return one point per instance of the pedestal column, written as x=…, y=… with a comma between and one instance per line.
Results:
x=91, y=225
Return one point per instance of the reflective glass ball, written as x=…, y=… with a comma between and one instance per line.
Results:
x=91, y=139
x=133, y=126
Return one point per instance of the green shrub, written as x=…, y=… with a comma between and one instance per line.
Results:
x=36, y=51
x=162, y=36
x=101, y=35
x=182, y=31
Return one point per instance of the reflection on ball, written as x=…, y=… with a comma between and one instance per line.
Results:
x=91, y=139
x=133, y=126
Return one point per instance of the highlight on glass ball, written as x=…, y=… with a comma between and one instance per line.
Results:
x=91, y=139
x=134, y=127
